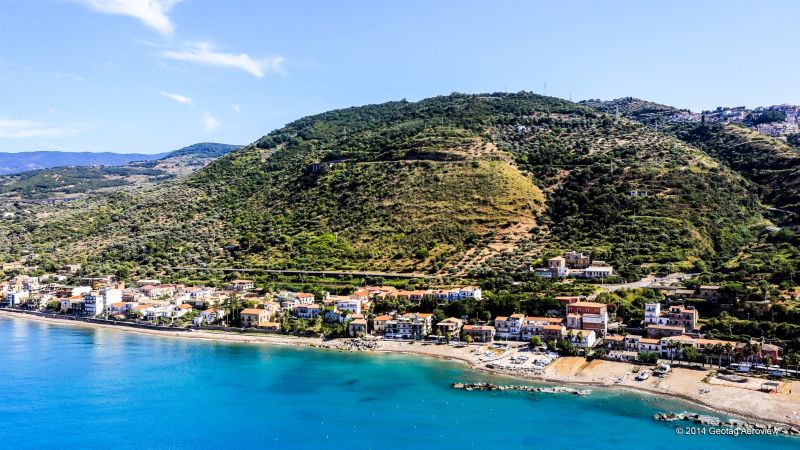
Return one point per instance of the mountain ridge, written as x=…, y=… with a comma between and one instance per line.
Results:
x=460, y=185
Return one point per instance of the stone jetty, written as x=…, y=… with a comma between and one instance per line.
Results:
x=499, y=387
x=742, y=426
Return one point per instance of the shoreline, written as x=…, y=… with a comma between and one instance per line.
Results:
x=734, y=402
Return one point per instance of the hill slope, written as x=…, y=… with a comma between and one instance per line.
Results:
x=467, y=184
x=770, y=163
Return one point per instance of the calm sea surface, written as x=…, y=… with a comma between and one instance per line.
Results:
x=63, y=387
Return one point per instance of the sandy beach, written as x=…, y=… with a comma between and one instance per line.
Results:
x=697, y=386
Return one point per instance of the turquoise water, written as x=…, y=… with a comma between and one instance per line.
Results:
x=63, y=387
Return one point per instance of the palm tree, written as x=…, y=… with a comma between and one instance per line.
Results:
x=728, y=351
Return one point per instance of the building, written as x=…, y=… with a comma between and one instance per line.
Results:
x=652, y=313
x=306, y=311
x=554, y=333
x=357, y=328
x=479, y=333
x=95, y=303
x=659, y=331
x=588, y=316
x=649, y=345
x=242, y=285
x=631, y=342
x=534, y=326
x=558, y=267
x=350, y=305
x=502, y=327
x=614, y=342
x=576, y=260
x=288, y=299
x=450, y=325
x=252, y=317
x=710, y=293
x=567, y=299
x=681, y=316
x=409, y=326
x=209, y=316
x=582, y=338
x=14, y=298
x=274, y=327
x=379, y=324
x=598, y=269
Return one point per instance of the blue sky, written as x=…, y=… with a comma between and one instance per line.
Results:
x=155, y=75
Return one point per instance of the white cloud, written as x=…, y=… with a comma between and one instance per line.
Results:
x=205, y=54
x=152, y=13
x=178, y=98
x=210, y=122
x=21, y=129
x=237, y=108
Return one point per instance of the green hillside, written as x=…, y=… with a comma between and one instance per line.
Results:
x=479, y=185
x=770, y=163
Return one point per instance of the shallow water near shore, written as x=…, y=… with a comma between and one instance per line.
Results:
x=65, y=387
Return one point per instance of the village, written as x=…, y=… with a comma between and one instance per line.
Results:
x=580, y=326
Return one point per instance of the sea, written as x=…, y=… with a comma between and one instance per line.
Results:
x=67, y=387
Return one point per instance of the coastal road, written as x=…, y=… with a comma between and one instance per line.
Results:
x=648, y=281
x=644, y=282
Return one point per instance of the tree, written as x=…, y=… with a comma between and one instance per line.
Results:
x=448, y=336
x=690, y=353
x=468, y=339
x=648, y=357
x=536, y=341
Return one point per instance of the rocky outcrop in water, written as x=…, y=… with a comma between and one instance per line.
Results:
x=499, y=387
x=736, y=424
x=357, y=345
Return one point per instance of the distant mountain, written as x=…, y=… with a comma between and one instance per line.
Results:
x=85, y=177
x=11, y=163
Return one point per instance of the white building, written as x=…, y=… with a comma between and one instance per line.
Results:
x=652, y=311
x=13, y=298
x=352, y=306
x=583, y=338
x=95, y=303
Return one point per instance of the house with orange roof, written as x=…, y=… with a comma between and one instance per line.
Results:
x=450, y=325
x=251, y=317
x=379, y=324
x=357, y=328
x=554, y=332
x=588, y=316
x=502, y=327
x=534, y=326
x=479, y=333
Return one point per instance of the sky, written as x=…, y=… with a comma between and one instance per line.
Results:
x=151, y=76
